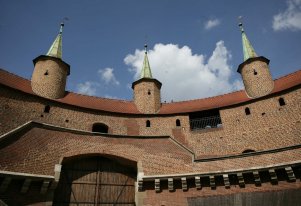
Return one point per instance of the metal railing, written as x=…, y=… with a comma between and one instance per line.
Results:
x=206, y=123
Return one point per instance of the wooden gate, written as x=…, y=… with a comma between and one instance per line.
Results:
x=95, y=181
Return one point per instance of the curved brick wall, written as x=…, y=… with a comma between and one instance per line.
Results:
x=257, y=79
x=264, y=129
x=49, y=78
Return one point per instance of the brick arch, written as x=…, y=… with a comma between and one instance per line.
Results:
x=122, y=158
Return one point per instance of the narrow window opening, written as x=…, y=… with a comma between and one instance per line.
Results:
x=47, y=109
x=263, y=113
x=248, y=151
x=255, y=72
x=149, y=92
x=247, y=111
x=100, y=127
x=46, y=73
x=281, y=101
x=178, y=123
x=147, y=123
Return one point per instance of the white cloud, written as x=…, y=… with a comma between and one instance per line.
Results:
x=111, y=97
x=290, y=18
x=88, y=88
x=185, y=75
x=108, y=76
x=211, y=23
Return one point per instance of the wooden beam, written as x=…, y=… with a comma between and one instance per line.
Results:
x=290, y=174
x=274, y=178
x=197, y=180
x=170, y=184
x=184, y=184
x=241, y=180
x=45, y=186
x=226, y=181
x=25, y=186
x=157, y=185
x=5, y=183
x=212, y=182
x=257, y=178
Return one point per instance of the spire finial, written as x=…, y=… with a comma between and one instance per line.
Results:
x=248, y=50
x=61, y=28
x=146, y=70
x=240, y=24
x=56, y=47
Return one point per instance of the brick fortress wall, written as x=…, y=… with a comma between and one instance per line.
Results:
x=265, y=127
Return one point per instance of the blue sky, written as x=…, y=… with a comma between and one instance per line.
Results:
x=194, y=46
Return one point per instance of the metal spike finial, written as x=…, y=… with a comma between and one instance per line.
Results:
x=61, y=28
x=240, y=23
x=145, y=48
x=248, y=50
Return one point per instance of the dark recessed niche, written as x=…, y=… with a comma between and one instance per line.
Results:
x=46, y=73
x=247, y=111
x=147, y=123
x=42, y=115
x=248, y=151
x=263, y=113
x=178, y=123
x=47, y=109
x=100, y=127
x=255, y=72
x=149, y=92
x=281, y=101
x=67, y=120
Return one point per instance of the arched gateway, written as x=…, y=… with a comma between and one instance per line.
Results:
x=95, y=181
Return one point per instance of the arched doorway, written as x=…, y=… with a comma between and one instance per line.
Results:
x=95, y=181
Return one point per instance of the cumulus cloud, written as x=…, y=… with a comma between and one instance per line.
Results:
x=88, y=88
x=108, y=76
x=93, y=87
x=290, y=18
x=211, y=23
x=185, y=75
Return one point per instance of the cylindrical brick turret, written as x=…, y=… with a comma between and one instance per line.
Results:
x=147, y=95
x=256, y=77
x=49, y=77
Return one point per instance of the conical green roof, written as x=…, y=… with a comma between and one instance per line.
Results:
x=56, y=47
x=146, y=70
x=248, y=50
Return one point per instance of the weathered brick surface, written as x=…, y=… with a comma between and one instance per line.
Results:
x=147, y=96
x=32, y=108
x=38, y=150
x=269, y=126
x=49, y=78
x=257, y=78
x=239, y=132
